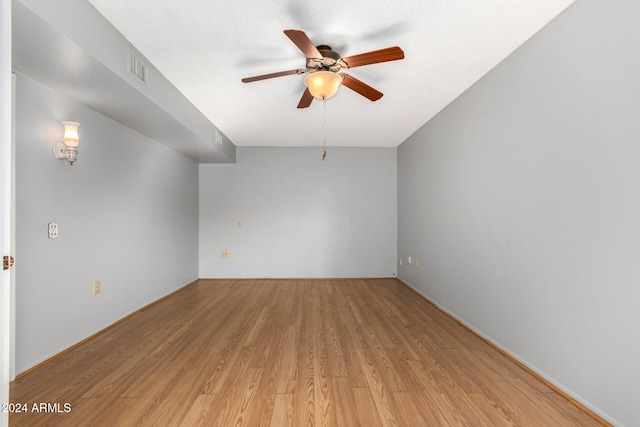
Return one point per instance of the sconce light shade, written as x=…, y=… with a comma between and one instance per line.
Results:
x=71, y=138
x=323, y=84
x=69, y=148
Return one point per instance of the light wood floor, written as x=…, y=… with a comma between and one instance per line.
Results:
x=290, y=353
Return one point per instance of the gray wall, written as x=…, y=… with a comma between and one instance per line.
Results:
x=301, y=217
x=127, y=212
x=521, y=200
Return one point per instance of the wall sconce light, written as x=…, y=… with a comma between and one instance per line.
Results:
x=69, y=148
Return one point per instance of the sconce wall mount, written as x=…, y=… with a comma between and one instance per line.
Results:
x=68, y=150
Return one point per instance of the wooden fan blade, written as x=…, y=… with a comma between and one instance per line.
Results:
x=360, y=87
x=300, y=39
x=306, y=99
x=374, y=57
x=272, y=75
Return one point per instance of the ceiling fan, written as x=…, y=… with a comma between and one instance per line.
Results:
x=323, y=66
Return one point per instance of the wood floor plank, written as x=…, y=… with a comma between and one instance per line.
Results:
x=367, y=411
x=243, y=406
x=343, y=352
x=379, y=390
x=325, y=408
x=335, y=347
x=283, y=411
x=199, y=410
x=409, y=414
x=346, y=413
x=494, y=411
x=425, y=402
x=352, y=340
x=304, y=413
x=287, y=376
x=230, y=348
x=431, y=392
x=271, y=361
x=464, y=406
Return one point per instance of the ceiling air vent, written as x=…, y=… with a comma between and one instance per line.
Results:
x=137, y=67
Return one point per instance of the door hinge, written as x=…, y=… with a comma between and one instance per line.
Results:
x=7, y=262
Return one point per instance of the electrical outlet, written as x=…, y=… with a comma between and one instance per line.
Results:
x=96, y=287
x=227, y=254
x=417, y=262
x=53, y=230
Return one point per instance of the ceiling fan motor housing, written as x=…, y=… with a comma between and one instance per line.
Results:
x=330, y=61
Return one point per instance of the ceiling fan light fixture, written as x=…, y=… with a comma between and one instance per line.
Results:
x=323, y=84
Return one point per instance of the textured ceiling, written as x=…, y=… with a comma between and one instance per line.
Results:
x=205, y=47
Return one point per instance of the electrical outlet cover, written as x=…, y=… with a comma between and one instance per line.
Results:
x=227, y=254
x=53, y=230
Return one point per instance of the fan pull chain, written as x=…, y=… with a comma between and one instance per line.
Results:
x=324, y=128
